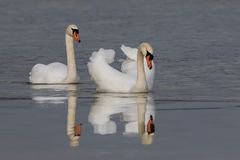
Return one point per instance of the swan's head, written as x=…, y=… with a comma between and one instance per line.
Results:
x=72, y=30
x=147, y=51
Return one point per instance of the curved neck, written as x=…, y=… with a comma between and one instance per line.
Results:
x=71, y=64
x=141, y=85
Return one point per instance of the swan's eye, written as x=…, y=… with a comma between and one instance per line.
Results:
x=150, y=55
x=75, y=30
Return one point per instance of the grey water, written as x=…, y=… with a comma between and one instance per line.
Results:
x=195, y=102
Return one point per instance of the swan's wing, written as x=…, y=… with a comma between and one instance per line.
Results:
x=107, y=55
x=56, y=73
x=131, y=53
x=53, y=73
x=129, y=65
x=105, y=76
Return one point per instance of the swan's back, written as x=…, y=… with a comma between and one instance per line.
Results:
x=51, y=73
x=105, y=76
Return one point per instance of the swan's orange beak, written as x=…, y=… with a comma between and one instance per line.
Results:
x=76, y=37
x=149, y=61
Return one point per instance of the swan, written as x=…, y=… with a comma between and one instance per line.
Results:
x=56, y=72
x=136, y=75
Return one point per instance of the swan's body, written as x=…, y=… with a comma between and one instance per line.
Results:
x=57, y=72
x=136, y=75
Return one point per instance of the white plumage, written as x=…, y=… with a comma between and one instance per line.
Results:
x=109, y=79
x=52, y=73
x=57, y=72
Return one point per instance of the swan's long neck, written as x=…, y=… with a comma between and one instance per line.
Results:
x=141, y=85
x=71, y=64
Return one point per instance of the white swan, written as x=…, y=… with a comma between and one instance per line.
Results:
x=57, y=72
x=137, y=74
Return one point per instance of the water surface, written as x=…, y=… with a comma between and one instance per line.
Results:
x=195, y=101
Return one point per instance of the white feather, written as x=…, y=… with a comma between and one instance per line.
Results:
x=105, y=76
x=52, y=73
x=109, y=79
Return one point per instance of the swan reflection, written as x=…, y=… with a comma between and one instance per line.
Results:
x=52, y=94
x=135, y=110
x=73, y=129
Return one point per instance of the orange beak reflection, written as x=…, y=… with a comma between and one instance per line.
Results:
x=76, y=37
x=149, y=62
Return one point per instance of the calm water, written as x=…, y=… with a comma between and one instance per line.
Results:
x=195, y=102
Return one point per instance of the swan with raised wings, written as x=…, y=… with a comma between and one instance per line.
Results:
x=57, y=72
x=136, y=75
